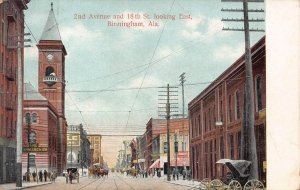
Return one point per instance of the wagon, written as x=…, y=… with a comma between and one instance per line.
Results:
x=72, y=174
x=237, y=179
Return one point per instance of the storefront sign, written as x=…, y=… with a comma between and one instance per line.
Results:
x=35, y=149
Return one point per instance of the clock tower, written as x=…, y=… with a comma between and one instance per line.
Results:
x=51, y=79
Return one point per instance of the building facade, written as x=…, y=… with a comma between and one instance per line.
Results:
x=51, y=89
x=216, y=118
x=157, y=147
x=11, y=26
x=96, y=141
x=40, y=133
x=51, y=81
x=142, y=150
x=78, y=147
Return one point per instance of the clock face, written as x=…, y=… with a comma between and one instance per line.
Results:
x=49, y=57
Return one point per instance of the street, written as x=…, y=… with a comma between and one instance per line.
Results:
x=115, y=181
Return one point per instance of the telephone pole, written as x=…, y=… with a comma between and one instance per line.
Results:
x=17, y=42
x=168, y=110
x=248, y=133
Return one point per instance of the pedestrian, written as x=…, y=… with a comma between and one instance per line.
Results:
x=177, y=174
x=184, y=174
x=41, y=175
x=188, y=174
x=45, y=175
x=174, y=173
x=159, y=173
x=34, y=175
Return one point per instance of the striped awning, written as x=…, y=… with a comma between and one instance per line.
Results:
x=155, y=164
x=180, y=162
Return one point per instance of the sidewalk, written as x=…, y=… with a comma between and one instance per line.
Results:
x=188, y=183
x=11, y=186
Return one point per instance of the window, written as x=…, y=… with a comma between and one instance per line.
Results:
x=209, y=120
x=206, y=159
x=176, y=146
x=183, y=148
x=221, y=148
x=27, y=118
x=211, y=159
x=258, y=93
x=2, y=63
x=32, y=137
x=239, y=145
x=231, y=146
x=49, y=70
x=199, y=125
x=165, y=147
x=237, y=105
x=34, y=118
x=229, y=107
x=3, y=32
x=221, y=110
x=204, y=122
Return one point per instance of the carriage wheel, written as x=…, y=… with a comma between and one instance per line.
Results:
x=205, y=184
x=235, y=185
x=216, y=184
x=254, y=184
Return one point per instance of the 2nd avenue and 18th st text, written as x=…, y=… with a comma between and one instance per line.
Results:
x=132, y=20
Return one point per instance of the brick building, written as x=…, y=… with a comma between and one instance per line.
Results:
x=51, y=86
x=11, y=25
x=216, y=117
x=156, y=138
x=41, y=118
x=95, y=141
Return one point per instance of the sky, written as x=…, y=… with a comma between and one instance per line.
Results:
x=113, y=73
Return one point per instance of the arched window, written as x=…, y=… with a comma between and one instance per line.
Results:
x=49, y=70
x=27, y=118
x=32, y=137
x=34, y=118
x=258, y=93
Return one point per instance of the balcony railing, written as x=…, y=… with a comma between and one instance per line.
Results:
x=50, y=80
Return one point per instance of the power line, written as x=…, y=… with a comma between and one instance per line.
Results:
x=160, y=35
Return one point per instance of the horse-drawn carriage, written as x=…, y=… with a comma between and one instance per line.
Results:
x=72, y=174
x=237, y=179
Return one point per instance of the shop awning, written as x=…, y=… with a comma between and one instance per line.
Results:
x=155, y=164
x=180, y=162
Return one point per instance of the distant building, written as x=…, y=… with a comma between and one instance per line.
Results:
x=216, y=117
x=11, y=24
x=96, y=141
x=134, y=152
x=156, y=134
x=141, y=150
x=78, y=147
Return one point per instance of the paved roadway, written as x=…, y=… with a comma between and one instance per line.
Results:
x=115, y=181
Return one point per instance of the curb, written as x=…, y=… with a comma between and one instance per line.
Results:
x=23, y=187
x=187, y=185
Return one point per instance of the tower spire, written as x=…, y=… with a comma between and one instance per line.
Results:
x=51, y=31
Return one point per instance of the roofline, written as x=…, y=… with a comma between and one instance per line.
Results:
x=231, y=69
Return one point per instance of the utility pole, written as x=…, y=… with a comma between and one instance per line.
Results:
x=168, y=131
x=182, y=80
x=168, y=110
x=247, y=139
x=17, y=42
x=28, y=120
